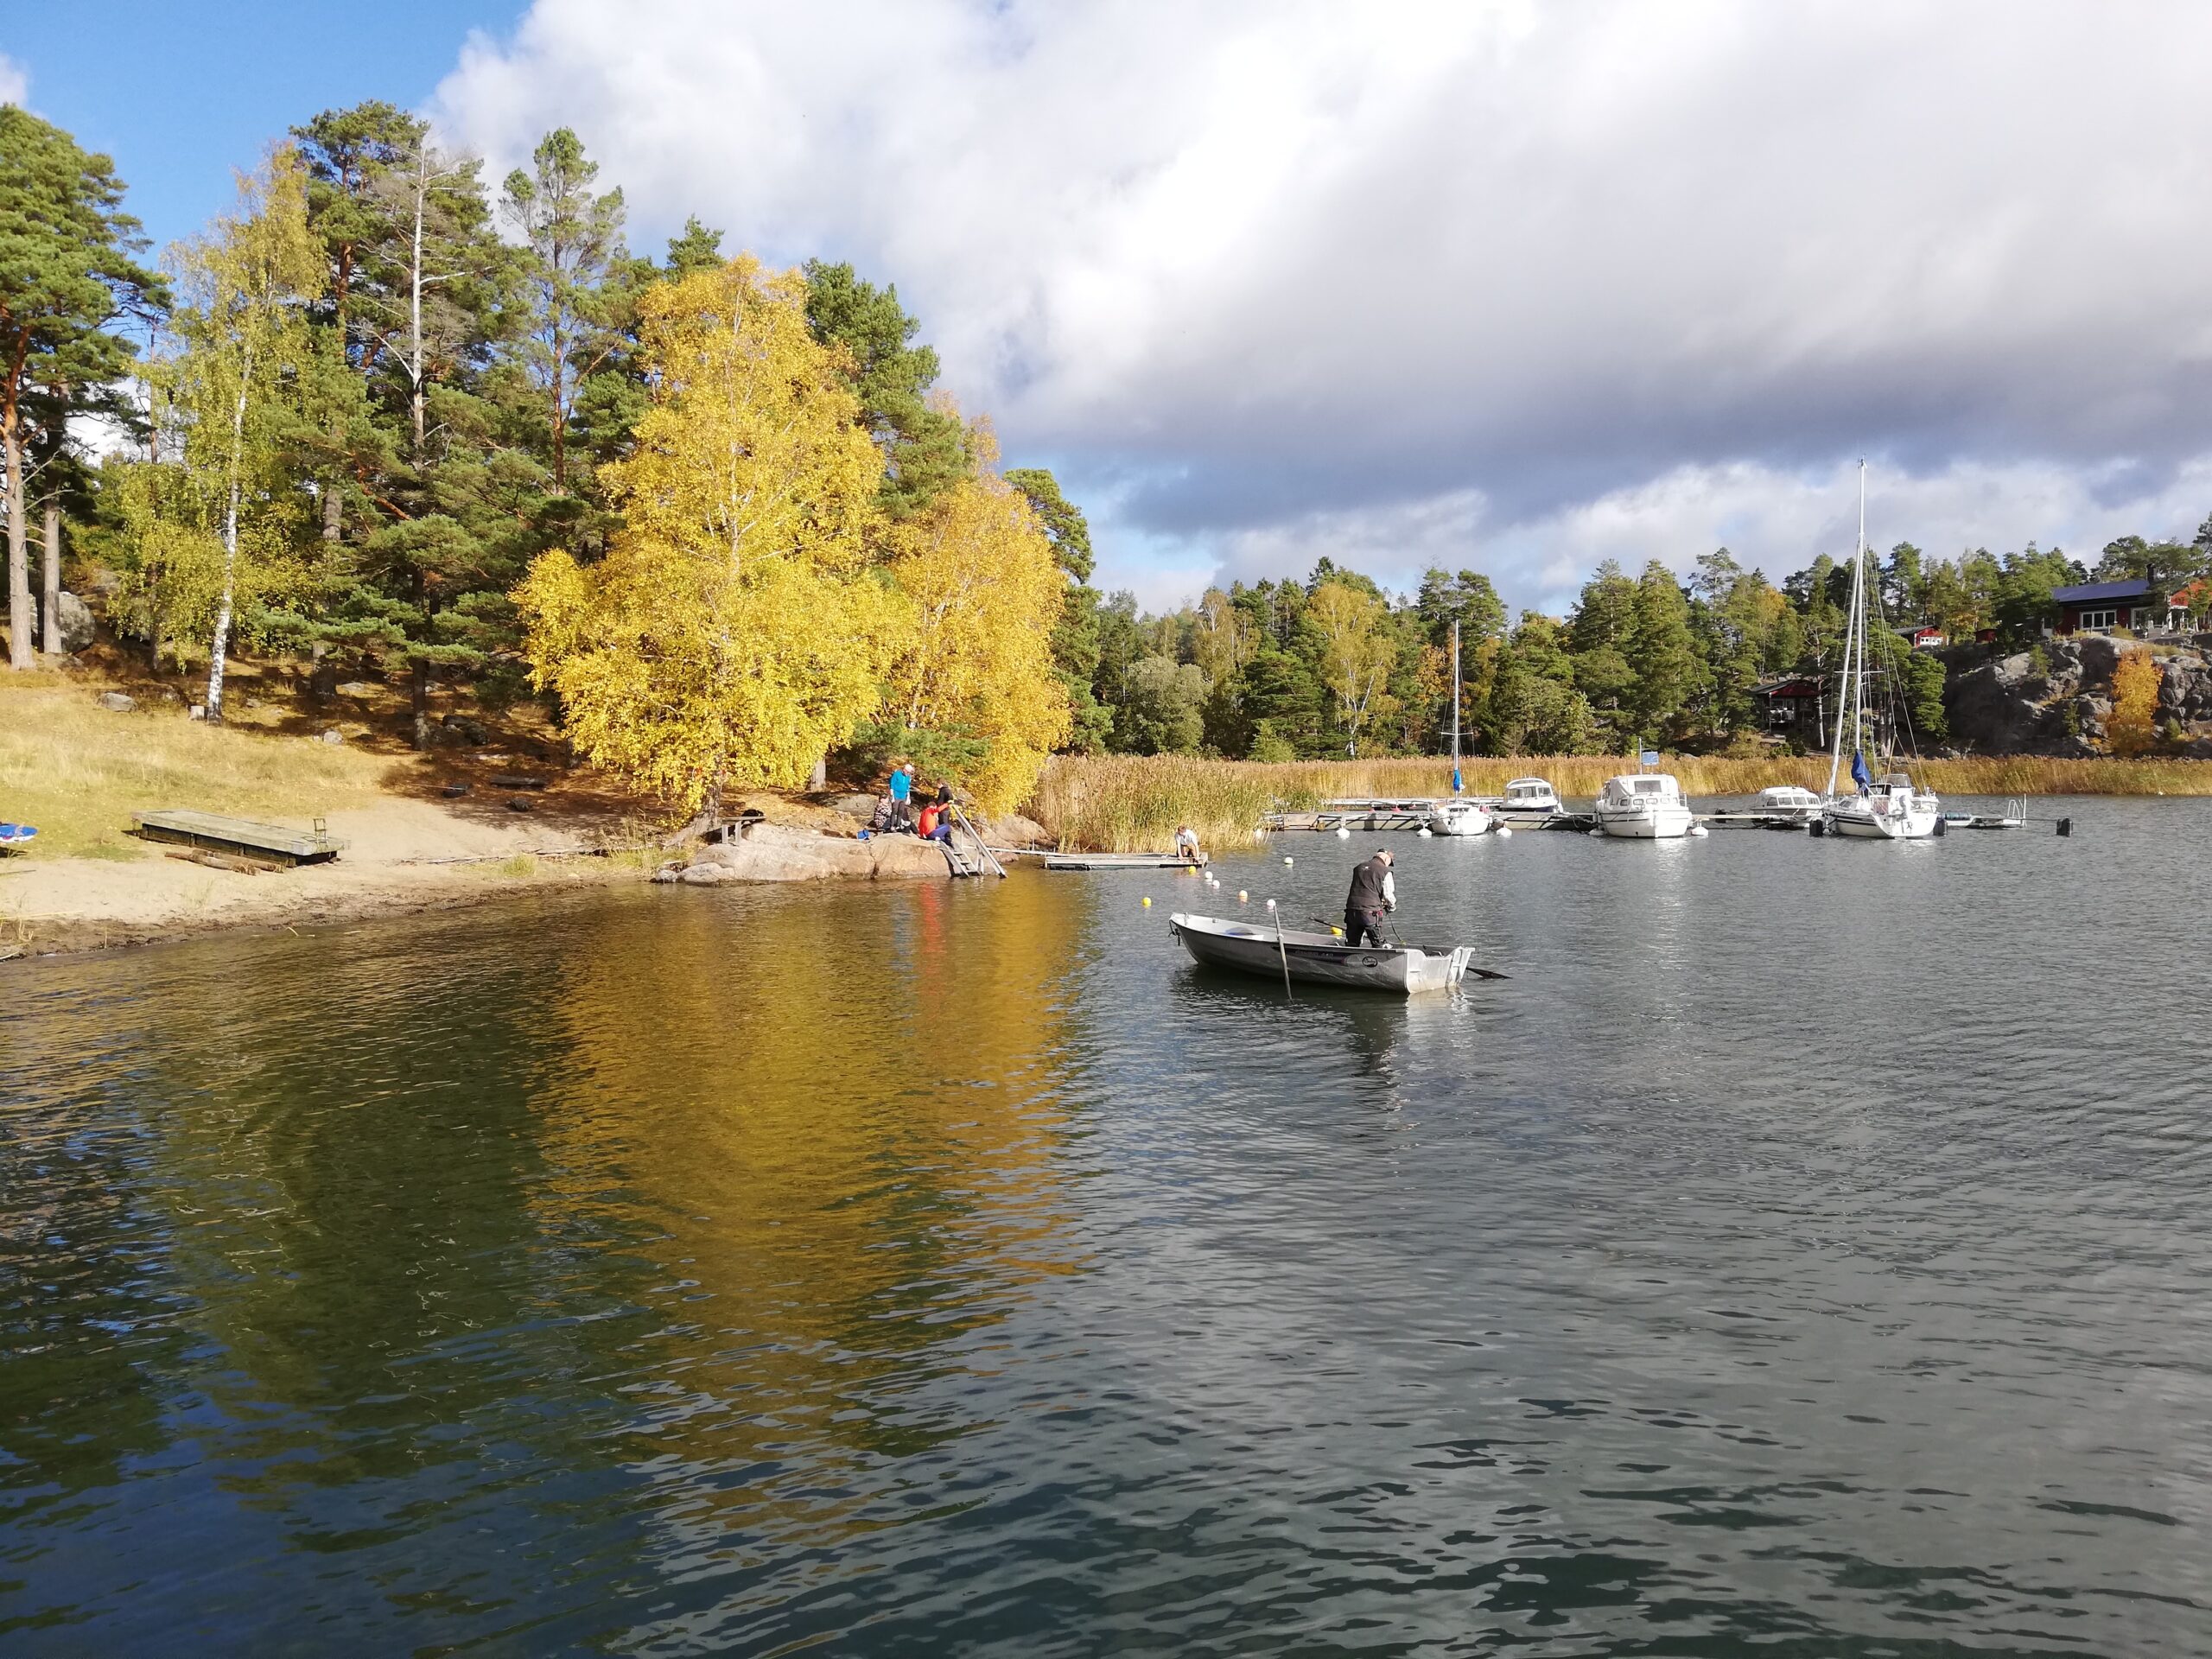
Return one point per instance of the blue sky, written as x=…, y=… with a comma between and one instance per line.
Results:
x=182, y=94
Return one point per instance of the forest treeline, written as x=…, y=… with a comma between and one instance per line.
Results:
x=384, y=416
x=1335, y=667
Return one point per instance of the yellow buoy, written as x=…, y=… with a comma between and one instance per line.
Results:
x=1243, y=897
x=1148, y=903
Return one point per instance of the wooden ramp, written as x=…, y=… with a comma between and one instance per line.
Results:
x=266, y=843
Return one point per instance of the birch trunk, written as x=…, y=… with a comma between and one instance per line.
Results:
x=220, y=656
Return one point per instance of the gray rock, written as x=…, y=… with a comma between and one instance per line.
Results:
x=357, y=689
x=463, y=728
x=76, y=619
x=117, y=702
x=331, y=734
x=774, y=852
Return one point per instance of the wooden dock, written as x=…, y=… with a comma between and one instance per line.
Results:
x=1121, y=861
x=263, y=844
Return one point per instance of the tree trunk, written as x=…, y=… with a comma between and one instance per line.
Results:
x=420, y=696
x=19, y=567
x=218, y=657
x=333, y=509
x=49, y=608
x=820, y=780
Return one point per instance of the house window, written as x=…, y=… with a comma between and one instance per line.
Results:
x=2097, y=620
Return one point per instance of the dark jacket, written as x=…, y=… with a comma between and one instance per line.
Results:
x=1367, y=886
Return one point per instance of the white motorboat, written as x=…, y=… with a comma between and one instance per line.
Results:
x=1461, y=816
x=1892, y=808
x=1319, y=958
x=1644, y=806
x=1888, y=809
x=1790, y=804
x=1529, y=802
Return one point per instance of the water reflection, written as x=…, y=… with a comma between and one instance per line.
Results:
x=961, y=1269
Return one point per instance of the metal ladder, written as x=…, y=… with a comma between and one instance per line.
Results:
x=977, y=861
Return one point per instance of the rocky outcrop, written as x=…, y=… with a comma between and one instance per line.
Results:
x=774, y=852
x=2056, y=699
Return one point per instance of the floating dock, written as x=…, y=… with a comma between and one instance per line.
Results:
x=1121, y=861
x=263, y=843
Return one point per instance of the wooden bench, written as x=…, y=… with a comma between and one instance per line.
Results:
x=265, y=843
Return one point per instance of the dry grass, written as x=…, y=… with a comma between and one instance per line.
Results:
x=1129, y=803
x=77, y=772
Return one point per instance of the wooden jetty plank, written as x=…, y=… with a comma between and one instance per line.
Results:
x=220, y=834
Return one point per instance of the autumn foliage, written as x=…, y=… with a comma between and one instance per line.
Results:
x=757, y=606
x=2132, y=729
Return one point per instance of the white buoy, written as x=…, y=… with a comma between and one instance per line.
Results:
x=1425, y=832
x=1596, y=832
x=1288, y=862
x=1344, y=832
x=1505, y=832
x=1271, y=903
x=1699, y=829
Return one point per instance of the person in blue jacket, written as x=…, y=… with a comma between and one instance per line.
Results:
x=902, y=795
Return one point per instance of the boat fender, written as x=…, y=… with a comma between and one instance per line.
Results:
x=1942, y=826
x=2066, y=826
x=1596, y=832
x=1699, y=829
x=1818, y=826
x=1505, y=832
x=1343, y=834
x=1425, y=832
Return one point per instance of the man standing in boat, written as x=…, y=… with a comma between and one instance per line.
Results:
x=1373, y=894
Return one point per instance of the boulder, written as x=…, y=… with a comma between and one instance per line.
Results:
x=464, y=729
x=775, y=851
x=861, y=807
x=115, y=700
x=331, y=734
x=76, y=619
x=356, y=689
x=1013, y=830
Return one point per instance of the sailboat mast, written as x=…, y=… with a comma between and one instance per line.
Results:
x=1455, y=691
x=1455, y=705
x=1865, y=597
x=1849, y=688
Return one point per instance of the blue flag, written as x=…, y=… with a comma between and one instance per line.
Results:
x=1649, y=757
x=1859, y=775
x=1455, y=785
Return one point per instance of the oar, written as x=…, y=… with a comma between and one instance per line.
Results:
x=1479, y=972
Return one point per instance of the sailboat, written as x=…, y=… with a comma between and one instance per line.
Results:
x=1459, y=815
x=1888, y=808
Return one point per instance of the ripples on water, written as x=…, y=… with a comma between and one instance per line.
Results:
x=1805, y=1253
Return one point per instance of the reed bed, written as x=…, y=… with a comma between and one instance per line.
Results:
x=1134, y=802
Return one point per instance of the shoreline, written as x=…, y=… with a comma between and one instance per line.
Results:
x=271, y=902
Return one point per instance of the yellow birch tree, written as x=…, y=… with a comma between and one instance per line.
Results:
x=2133, y=726
x=1356, y=655
x=735, y=630
x=987, y=592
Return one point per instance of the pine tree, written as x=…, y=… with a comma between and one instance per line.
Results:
x=68, y=277
x=924, y=449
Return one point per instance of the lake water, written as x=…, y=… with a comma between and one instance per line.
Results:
x=1806, y=1252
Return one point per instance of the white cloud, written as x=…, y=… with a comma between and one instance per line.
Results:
x=14, y=80
x=1537, y=282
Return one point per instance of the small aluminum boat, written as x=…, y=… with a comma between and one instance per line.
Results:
x=1318, y=958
